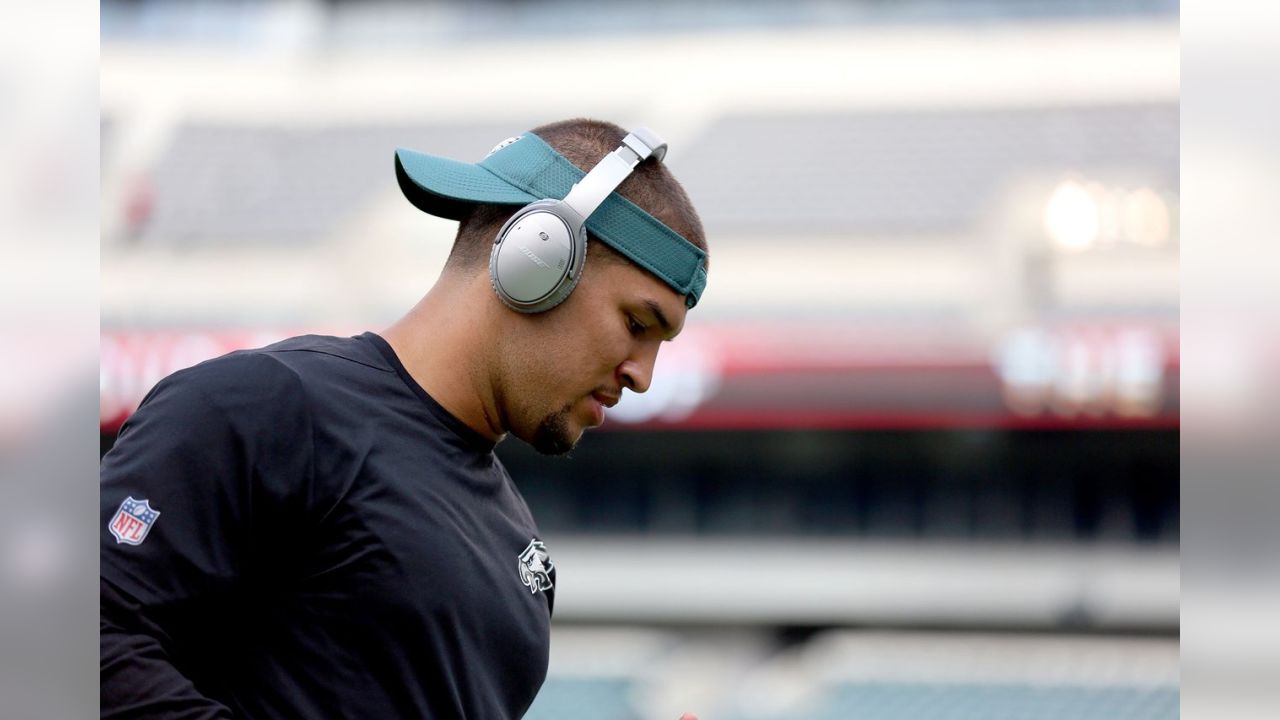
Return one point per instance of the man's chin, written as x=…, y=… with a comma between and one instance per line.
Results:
x=555, y=446
x=555, y=436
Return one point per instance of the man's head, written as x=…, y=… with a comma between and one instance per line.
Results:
x=552, y=372
x=584, y=142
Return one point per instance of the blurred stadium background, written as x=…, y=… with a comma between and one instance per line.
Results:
x=916, y=453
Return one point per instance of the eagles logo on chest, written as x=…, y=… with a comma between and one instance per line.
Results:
x=535, y=567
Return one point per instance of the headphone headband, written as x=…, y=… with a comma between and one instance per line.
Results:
x=587, y=194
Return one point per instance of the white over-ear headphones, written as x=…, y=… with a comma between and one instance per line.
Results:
x=538, y=255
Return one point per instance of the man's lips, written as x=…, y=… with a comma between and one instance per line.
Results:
x=606, y=399
x=600, y=401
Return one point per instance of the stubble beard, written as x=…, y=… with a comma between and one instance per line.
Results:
x=553, y=434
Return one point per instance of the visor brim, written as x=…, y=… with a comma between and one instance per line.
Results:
x=449, y=188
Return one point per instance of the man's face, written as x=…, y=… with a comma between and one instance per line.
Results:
x=566, y=366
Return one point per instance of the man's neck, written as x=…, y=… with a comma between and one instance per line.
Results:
x=438, y=344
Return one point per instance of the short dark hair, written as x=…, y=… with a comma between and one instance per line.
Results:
x=584, y=142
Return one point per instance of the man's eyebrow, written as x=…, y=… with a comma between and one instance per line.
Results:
x=656, y=309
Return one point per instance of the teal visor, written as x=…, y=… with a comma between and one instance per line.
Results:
x=528, y=169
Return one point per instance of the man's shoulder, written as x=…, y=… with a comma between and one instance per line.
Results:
x=307, y=354
x=288, y=367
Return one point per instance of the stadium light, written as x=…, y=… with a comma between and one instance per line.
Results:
x=1145, y=219
x=1071, y=217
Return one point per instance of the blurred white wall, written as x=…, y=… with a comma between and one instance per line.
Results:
x=387, y=254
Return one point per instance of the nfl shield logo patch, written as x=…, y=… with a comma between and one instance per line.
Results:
x=133, y=521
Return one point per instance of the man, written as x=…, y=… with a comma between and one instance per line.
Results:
x=320, y=528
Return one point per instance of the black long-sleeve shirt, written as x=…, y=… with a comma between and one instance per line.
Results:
x=301, y=531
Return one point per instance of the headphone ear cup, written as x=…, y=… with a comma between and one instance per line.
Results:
x=536, y=259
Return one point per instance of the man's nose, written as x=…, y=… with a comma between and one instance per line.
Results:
x=636, y=372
